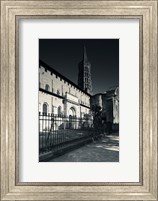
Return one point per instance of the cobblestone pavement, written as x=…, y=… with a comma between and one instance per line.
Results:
x=103, y=150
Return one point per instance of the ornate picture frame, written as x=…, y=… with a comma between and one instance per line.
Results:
x=11, y=12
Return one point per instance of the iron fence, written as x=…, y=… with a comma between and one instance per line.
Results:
x=59, y=132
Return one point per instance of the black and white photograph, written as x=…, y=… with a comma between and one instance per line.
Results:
x=78, y=100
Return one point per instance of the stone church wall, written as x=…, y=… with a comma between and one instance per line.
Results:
x=61, y=91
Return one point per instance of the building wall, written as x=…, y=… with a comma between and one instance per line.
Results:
x=97, y=100
x=68, y=97
x=116, y=106
x=53, y=103
x=109, y=103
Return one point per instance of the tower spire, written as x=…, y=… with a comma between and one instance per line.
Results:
x=85, y=58
x=84, y=74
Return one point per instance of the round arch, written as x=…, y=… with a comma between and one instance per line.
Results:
x=47, y=87
x=59, y=110
x=72, y=111
x=45, y=107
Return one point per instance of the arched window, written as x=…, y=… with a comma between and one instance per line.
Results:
x=45, y=108
x=47, y=88
x=52, y=109
x=58, y=92
x=59, y=110
x=86, y=69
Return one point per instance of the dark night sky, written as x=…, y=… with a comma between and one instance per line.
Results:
x=65, y=54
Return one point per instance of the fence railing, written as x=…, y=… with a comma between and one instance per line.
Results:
x=58, y=131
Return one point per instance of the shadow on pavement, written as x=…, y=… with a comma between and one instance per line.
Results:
x=103, y=150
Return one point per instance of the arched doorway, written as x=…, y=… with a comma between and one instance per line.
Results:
x=72, y=118
x=72, y=111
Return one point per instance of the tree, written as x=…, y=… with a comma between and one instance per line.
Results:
x=95, y=109
x=99, y=119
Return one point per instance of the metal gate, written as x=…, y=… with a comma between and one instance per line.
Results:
x=60, y=133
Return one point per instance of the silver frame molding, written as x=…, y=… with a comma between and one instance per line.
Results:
x=11, y=12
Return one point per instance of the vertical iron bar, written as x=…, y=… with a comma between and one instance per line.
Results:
x=42, y=133
x=39, y=135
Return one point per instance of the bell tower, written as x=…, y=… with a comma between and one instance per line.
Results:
x=84, y=73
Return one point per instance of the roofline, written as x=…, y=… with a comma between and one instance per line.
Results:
x=106, y=92
x=60, y=75
x=50, y=93
x=59, y=96
x=99, y=94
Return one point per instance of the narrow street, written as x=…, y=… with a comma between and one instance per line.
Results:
x=103, y=150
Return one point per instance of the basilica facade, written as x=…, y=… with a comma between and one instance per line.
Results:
x=60, y=96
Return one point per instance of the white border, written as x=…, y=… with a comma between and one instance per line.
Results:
x=127, y=170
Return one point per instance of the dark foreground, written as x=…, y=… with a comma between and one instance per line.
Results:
x=103, y=150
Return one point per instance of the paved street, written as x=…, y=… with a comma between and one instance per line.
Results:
x=103, y=150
